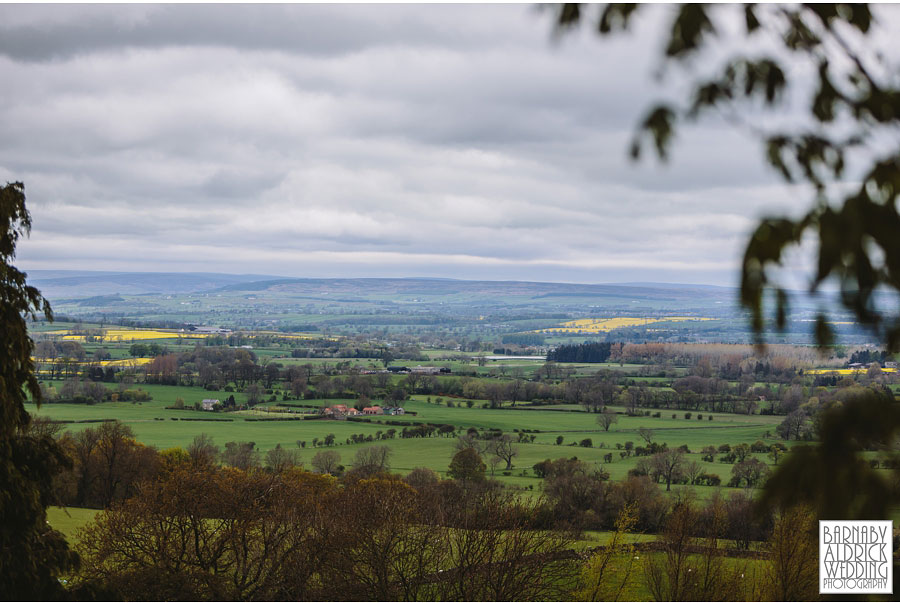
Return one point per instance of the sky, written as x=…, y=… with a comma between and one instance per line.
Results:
x=454, y=141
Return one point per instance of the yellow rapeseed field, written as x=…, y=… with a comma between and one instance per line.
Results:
x=127, y=362
x=120, y=335
x=605, y=325
x=845, y=371
x=129, y=335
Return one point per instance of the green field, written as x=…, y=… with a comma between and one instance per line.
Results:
x=158, y=426
x=69, y=519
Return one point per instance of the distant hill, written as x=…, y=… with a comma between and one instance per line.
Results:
x=461, y=291
x=72, y=286
x=57, y=284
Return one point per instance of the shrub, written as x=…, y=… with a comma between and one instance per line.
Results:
x=759, y=446
x=710, y=479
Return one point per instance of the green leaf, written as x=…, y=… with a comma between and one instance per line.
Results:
x=781, y=308
x=658, y=124
x=750, y=19
x=569, y=15
x=688, y=29
x=824, y=334
x=615, y=17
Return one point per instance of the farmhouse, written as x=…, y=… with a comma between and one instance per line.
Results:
x=209, y=404
x=394, y=410
x=372, y=410
x=339, y=411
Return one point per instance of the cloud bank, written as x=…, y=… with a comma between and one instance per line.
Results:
x=321, y=140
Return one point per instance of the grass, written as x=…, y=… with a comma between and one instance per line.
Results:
x=155, y=425
x=68, y=519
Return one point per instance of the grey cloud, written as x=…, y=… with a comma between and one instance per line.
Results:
x=304, y=29
x=240, y=184
x=314, y=140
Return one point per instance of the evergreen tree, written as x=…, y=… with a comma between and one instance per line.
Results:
x=32, y=555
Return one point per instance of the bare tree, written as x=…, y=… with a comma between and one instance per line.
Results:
x=326, y=461
x=241, y=455
x=495, y=392
x=514, y=391
x=646, y=434
x=254, y=394
x=372, y=460
x=693, y=471
x=669, y=464
x=298, y=387
x=750, y=471
x=505, y=448
x=470, y=440
x=280, y=459
x=202, y=451
x=422, y=477
x=791, y=573
x=606, y=418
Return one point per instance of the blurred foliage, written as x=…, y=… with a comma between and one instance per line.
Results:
x=853, y=107
x=851, y=117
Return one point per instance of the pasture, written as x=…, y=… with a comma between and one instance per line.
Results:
x=156, y=425
x=69, y=519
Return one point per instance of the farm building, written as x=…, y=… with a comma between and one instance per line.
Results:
x=339, y=411
x=372, y=410
x=210, y=330
x=429, y=370
x=209, y=404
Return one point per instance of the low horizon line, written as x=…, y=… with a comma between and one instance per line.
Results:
x=320, y=278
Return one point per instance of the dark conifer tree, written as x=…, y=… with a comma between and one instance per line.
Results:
x=32, y=555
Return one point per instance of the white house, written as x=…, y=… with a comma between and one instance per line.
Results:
x=209, y=404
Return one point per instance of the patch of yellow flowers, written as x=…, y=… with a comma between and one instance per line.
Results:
x=845, y=371
x=128, y=335
x=605, y=325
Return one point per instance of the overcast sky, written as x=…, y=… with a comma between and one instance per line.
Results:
x=324, y=140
